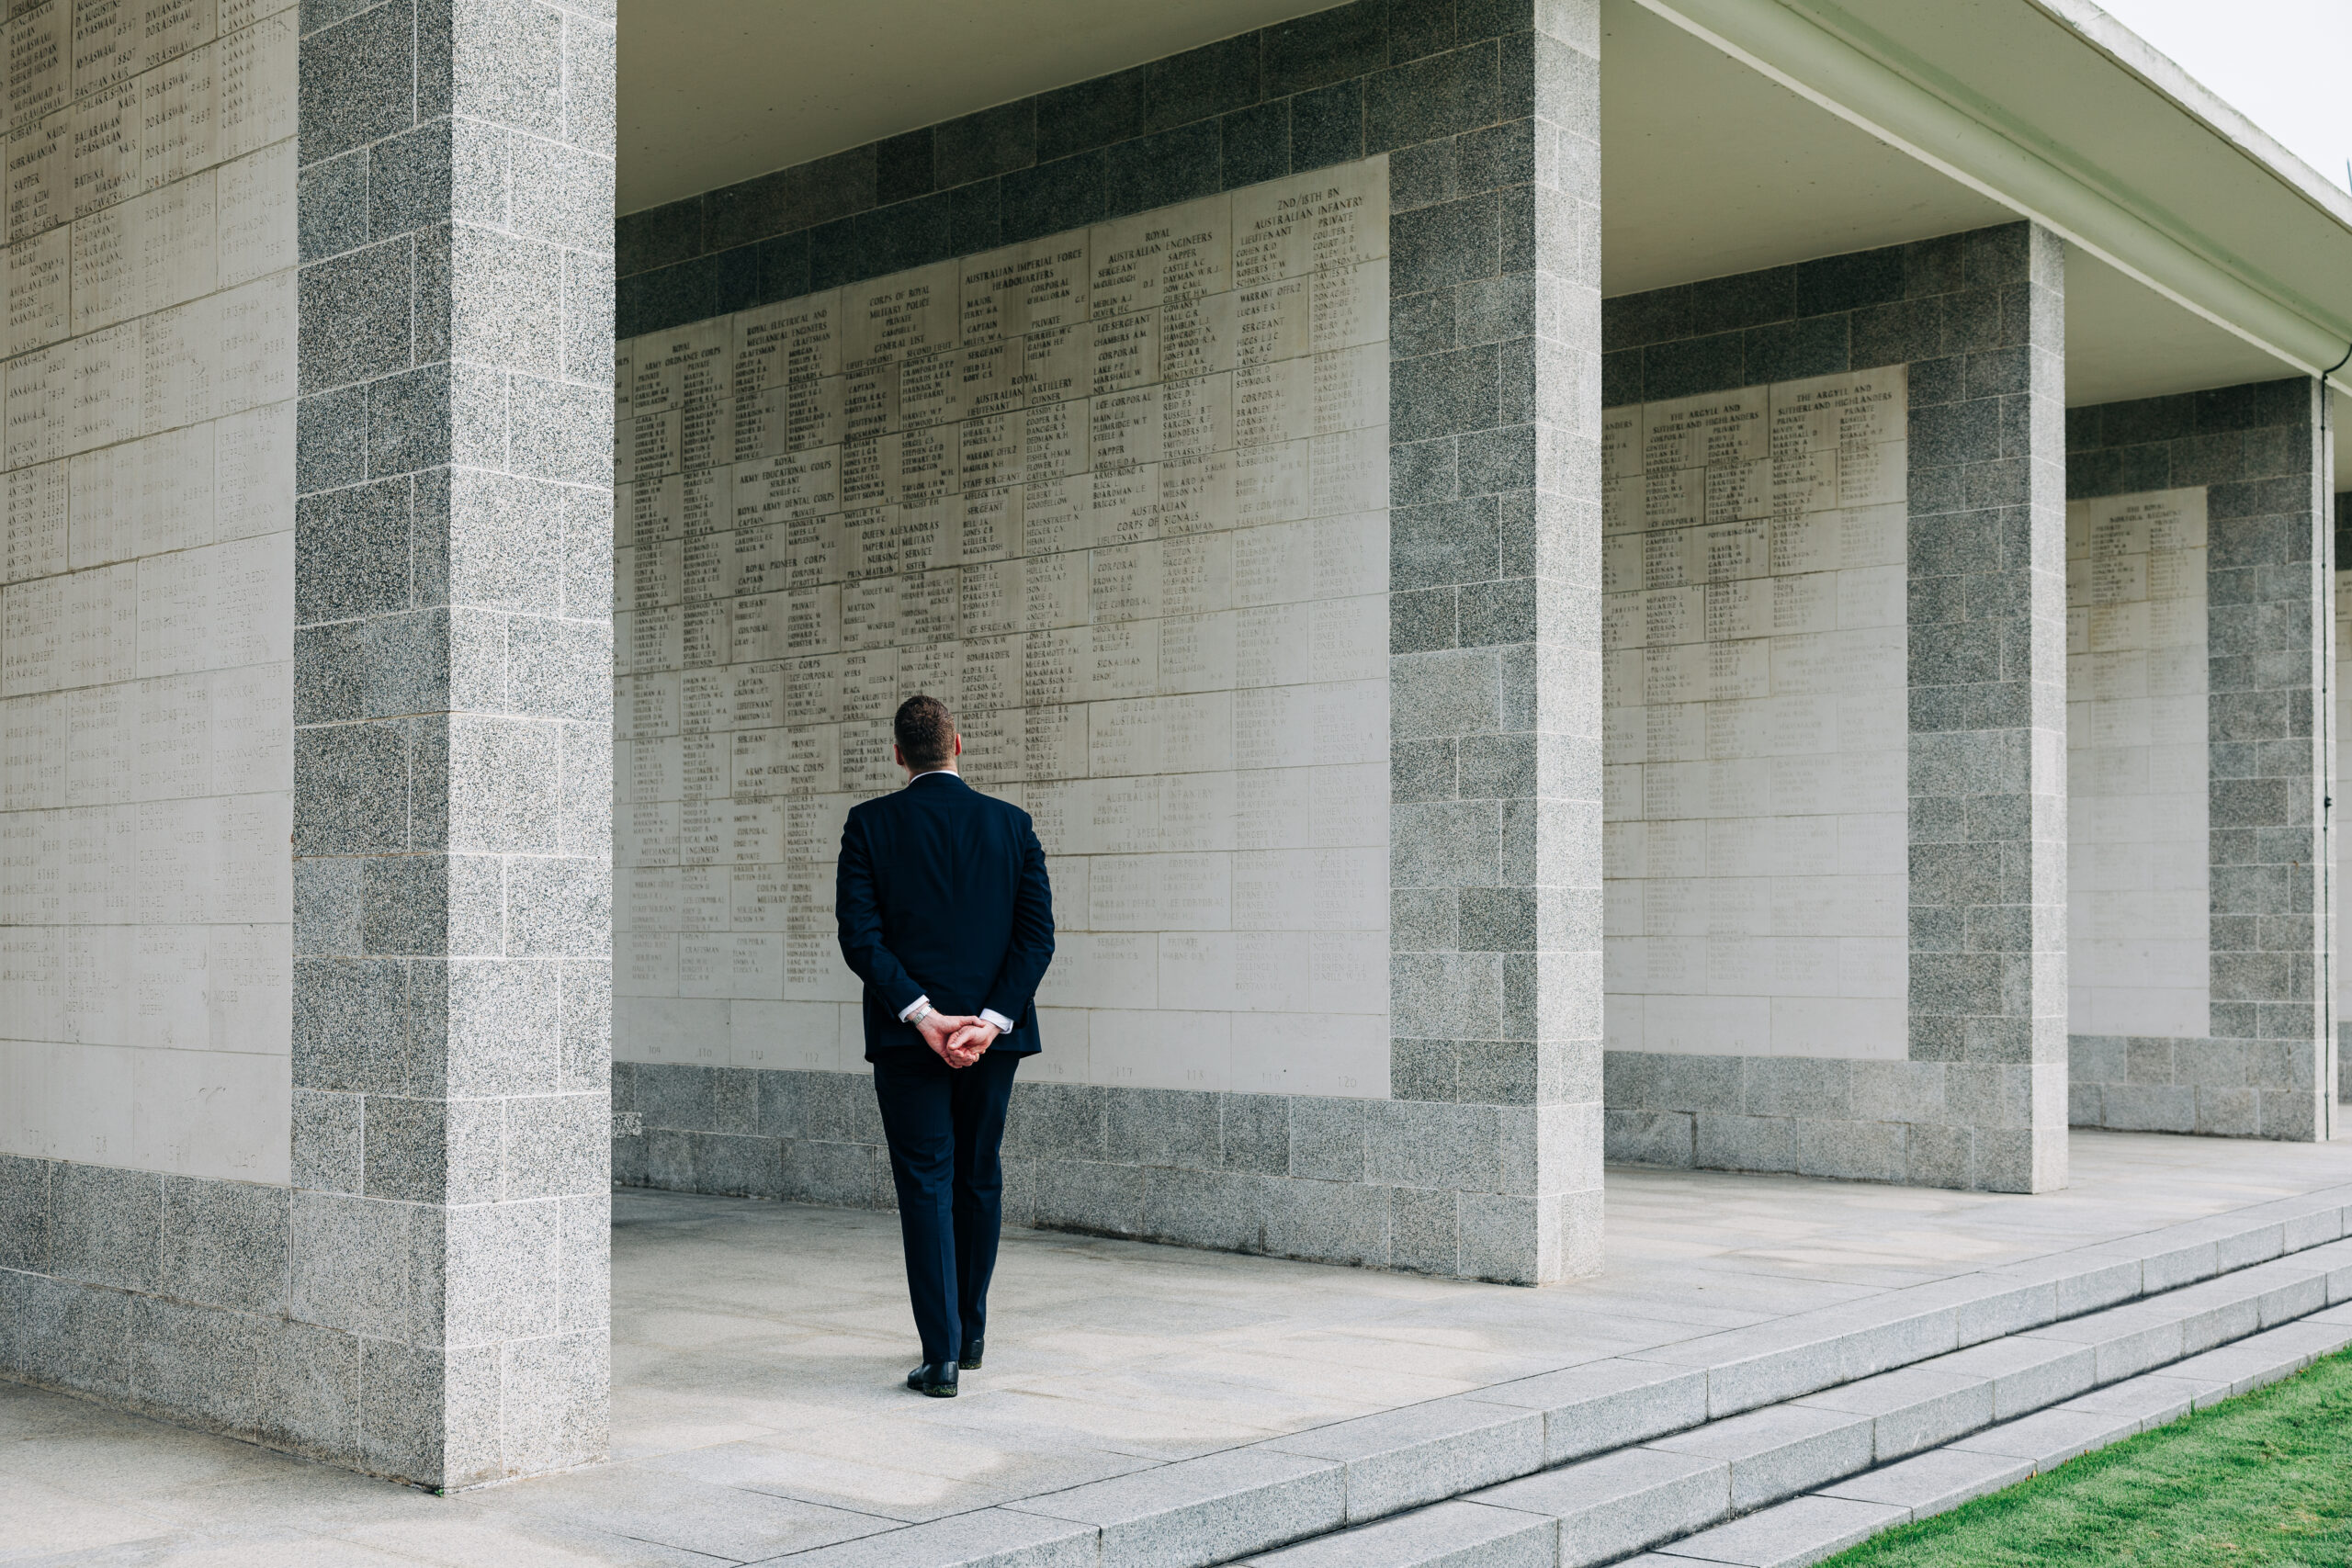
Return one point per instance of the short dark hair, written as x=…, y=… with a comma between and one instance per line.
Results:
x=925, y=732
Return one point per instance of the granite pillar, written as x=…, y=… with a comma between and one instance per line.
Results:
x=312, y=1151
x=1960, y=1083
x=1496, y=668
x=2335, y=714
x=1988, y=718
x=2259, y=455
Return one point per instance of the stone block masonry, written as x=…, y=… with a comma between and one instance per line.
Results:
x=146, y=633
x=2260, y=1065
x=453, y=722
x=332, y=351
x=1964, y=1086
x=2343, y=657
x=1320, y=1178
x=1487, y=120
x=1119, y=498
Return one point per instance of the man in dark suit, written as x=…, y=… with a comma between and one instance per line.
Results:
x=945, y=914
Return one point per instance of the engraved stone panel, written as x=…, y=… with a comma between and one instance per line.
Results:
x=1117, y=496
x=146, y=586
x=2139, y=950
x=1756, y=740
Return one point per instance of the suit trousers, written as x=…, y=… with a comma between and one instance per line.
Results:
x=945, y=1126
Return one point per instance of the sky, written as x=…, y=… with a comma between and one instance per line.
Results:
x=2285, y=64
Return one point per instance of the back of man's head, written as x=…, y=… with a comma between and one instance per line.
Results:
x=925, y=732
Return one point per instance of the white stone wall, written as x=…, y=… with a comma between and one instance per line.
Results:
x=2137, y=867
x=1118, y=496
x=1757, y=735
x=146, y=619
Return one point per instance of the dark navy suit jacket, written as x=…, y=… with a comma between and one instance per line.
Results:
x=940, y=891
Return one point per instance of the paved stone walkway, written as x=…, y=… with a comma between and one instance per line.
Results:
x=758, y=1349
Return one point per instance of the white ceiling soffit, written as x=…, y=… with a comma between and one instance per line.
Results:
x=2124, y=340
x=1739, y=134
x=717, y=91
x=1709, y=168
x=2010, y=101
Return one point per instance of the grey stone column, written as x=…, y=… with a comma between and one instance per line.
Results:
x=2332, y=978
x=1988, y=720
x=2259, y=454
x=453, y=771
x=2269, y=628
x=1495, y=671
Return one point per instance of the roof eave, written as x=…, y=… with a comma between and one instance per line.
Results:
x=1794, y=47
x=2136, y=57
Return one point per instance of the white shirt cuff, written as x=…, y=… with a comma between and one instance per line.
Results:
x=912, y=1008
x=991, y=1016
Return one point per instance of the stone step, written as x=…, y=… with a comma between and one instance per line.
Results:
x=1605, y=1508
x=1864, y=1455
x=1450, y=1535
x=1426, y=1452
x=1610, y=1457
x=1198, y=1511
x=1778, y=1451
x=1915, y=1408
x=1808, y=1528
x=1402, y=1458
x=1803, y=1531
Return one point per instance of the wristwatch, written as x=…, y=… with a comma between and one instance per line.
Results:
x=916, y=1018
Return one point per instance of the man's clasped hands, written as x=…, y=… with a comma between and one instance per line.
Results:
x=957, y=1040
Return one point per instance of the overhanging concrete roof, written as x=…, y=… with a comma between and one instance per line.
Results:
x=717, y=91
x=1738, y=134
x=2052, y=109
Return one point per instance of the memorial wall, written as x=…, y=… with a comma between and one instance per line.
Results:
x=147, y=613
x=2137, y=871
x=330, y=670
x=1119, y=497
x=1755, y=755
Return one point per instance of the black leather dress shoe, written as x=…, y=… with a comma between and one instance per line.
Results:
x=936, y=1379
x=972, y=1347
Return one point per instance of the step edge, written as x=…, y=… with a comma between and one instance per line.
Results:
x=2102, y=1377
x=2090, y=1423
x=2314, y=1219
x=2017, y=1469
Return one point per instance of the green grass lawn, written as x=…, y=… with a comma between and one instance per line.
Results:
x=2263, y=1479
